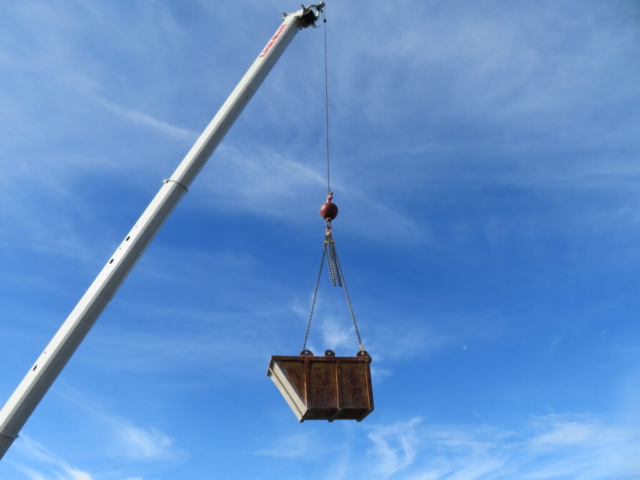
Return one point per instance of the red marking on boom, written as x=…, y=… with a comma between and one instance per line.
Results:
x=273, y=40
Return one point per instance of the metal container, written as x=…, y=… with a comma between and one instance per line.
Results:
x=324, y=388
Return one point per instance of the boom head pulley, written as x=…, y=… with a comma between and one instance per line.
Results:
x=310, y=14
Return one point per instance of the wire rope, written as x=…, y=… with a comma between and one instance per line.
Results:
x=326, y=100
x=329, y=252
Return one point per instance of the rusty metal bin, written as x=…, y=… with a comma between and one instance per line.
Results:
x=324, y=388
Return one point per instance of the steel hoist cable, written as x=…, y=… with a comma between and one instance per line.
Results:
x=326, y=100
x=329, y=211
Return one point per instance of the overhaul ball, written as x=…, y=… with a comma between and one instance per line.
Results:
x=329, y=210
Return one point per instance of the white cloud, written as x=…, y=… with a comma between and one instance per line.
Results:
x=263, y=182
x=555, y=446
x=295, y=446
x=567, y=433
x=53, y=464
x=123, y=438
x=137, y=443
x=379, y=374
x=394, y=448
x=140, y=443
x=147, y=121
x=29, y=472
x=335, y=335
x=147, y=352
x=124, y=441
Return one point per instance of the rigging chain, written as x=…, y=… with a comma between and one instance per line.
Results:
x=330, y=253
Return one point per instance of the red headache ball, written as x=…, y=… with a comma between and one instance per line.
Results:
x=329, y=211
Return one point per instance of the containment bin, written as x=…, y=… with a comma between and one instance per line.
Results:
x=324, y=388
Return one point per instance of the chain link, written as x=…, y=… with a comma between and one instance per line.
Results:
x=346, y=294
x=337, y=279
x=332, y=262
x=313, y=302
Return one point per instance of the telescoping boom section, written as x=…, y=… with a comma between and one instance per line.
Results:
x=55, y=356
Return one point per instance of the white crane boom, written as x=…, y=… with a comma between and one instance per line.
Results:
x=55, y=356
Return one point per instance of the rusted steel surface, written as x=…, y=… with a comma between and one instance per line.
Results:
x=324, y=388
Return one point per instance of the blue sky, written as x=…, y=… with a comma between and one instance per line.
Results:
x=485, y=162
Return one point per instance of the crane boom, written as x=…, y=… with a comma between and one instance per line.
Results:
x=55, y=356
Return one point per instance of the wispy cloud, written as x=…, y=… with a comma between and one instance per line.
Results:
x=379, y=374
x=140, y=443
x=125, y=439
x=520, y=65
x=553, y=446
x=295, y=446
x=565, y=433
x=336, y=334
x=394, y=448
x=51, y=464
x=147, y=121
x=31, y=473
x=263, y=182
x=152, y=352
x=56, y=96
